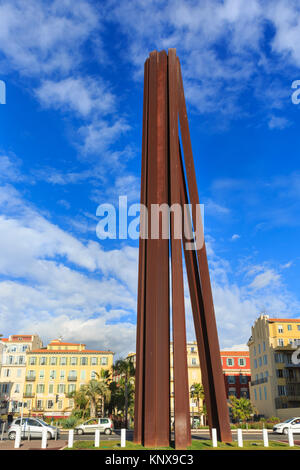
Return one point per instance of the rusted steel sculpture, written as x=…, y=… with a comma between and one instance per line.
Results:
x=168, y=178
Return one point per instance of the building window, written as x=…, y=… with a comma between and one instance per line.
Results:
x=254, y=351
x=84, y=361
x=289, y=327
x=51, y=388
x=42, y=374
x=104, y=361
x=265, y=392
x=265, y=359
x=61, y=388
x=281, y=390
x=280, y=342
x=93, y=375
x=50, y=404
x=62, y=374
x=53, y=361
x=71, y=388
x=264, y=345
x=32, y=360
x=243, y=379
x=242, y=362
x=52, y=374
x=59, y=404
x=255, y=394
x=17, y=388
x=63, y=361
x=74, y=361
x=260, y=362
x=94, y=361
x=231, y=379
x=40, y=388
x=232, y=392
x=82, y=375
x=194, y=361
x=39, y=404
x=229, y=362
x=259, y=391
x=19, y=372
x=280, y=329
x=255, y=363
x=43, y=361
x=259, y=350
x=7, y=373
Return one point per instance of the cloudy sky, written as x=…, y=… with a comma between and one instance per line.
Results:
x=71, y=139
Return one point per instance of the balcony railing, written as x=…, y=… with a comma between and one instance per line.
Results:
x=259, y=381
x=30, y=378
x=72, y=378
x=28, y=394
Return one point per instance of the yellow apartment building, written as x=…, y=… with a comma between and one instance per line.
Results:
x=13, y=368
x=275, y=370
x=57, y=370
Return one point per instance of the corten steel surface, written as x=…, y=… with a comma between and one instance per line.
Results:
x=163, y=182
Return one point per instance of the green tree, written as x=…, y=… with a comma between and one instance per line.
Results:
x=126, y=370
x=241, y=408
x=94, y=390
x=81, y=403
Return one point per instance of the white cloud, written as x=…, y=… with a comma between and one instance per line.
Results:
x=264, y=279
x=44, y=37
x=83, y=96
x=277, y=122
x=235, y=236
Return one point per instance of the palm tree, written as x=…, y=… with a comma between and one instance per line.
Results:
x=198, y=392
x=81, y=402
x=93, y=390
x=126, y=369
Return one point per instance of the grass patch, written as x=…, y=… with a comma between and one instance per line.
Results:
x=196, y=445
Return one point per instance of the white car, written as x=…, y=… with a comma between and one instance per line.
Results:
x=33, y=427
x=283, y=428
x=103, y=424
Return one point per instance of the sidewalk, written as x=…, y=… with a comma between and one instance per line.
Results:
x=34, y=444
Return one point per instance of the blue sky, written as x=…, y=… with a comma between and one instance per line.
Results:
x=71, y=139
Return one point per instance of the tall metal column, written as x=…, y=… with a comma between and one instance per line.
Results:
x=163, y=182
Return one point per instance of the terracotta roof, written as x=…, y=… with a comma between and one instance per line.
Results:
x=66, y=351
x=285, y=320
x=4, y=339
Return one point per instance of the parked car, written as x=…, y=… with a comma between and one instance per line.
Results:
x=283, y=428
x=33, y=427
x=105, y=425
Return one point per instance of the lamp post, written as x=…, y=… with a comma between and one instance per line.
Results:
x=192, y=389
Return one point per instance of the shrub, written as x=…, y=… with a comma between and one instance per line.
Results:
x=70, y=422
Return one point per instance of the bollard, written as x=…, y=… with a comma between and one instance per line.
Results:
x=18, y=438
x=97, y=438
x=71, y=438
x=214, y=437
x=240, y=437
x=265, y=437
x=44, y=438
x=291, y=437
x=3, y=429
x=123, y=437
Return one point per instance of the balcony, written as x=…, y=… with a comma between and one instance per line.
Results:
x=259, y=381
x=28, y=395
x=72, y=378
x=30, y=378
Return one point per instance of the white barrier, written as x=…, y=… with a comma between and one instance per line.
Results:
x=123, y=437
x=240, y=437
x=291, y=437
x=97, y=438
x=44, y=438
x=3, y=429
x=265, y=438
x=214, y=437
x=71, y=438
x=18, y=438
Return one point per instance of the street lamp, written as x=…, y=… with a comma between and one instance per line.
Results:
x=192, y=389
